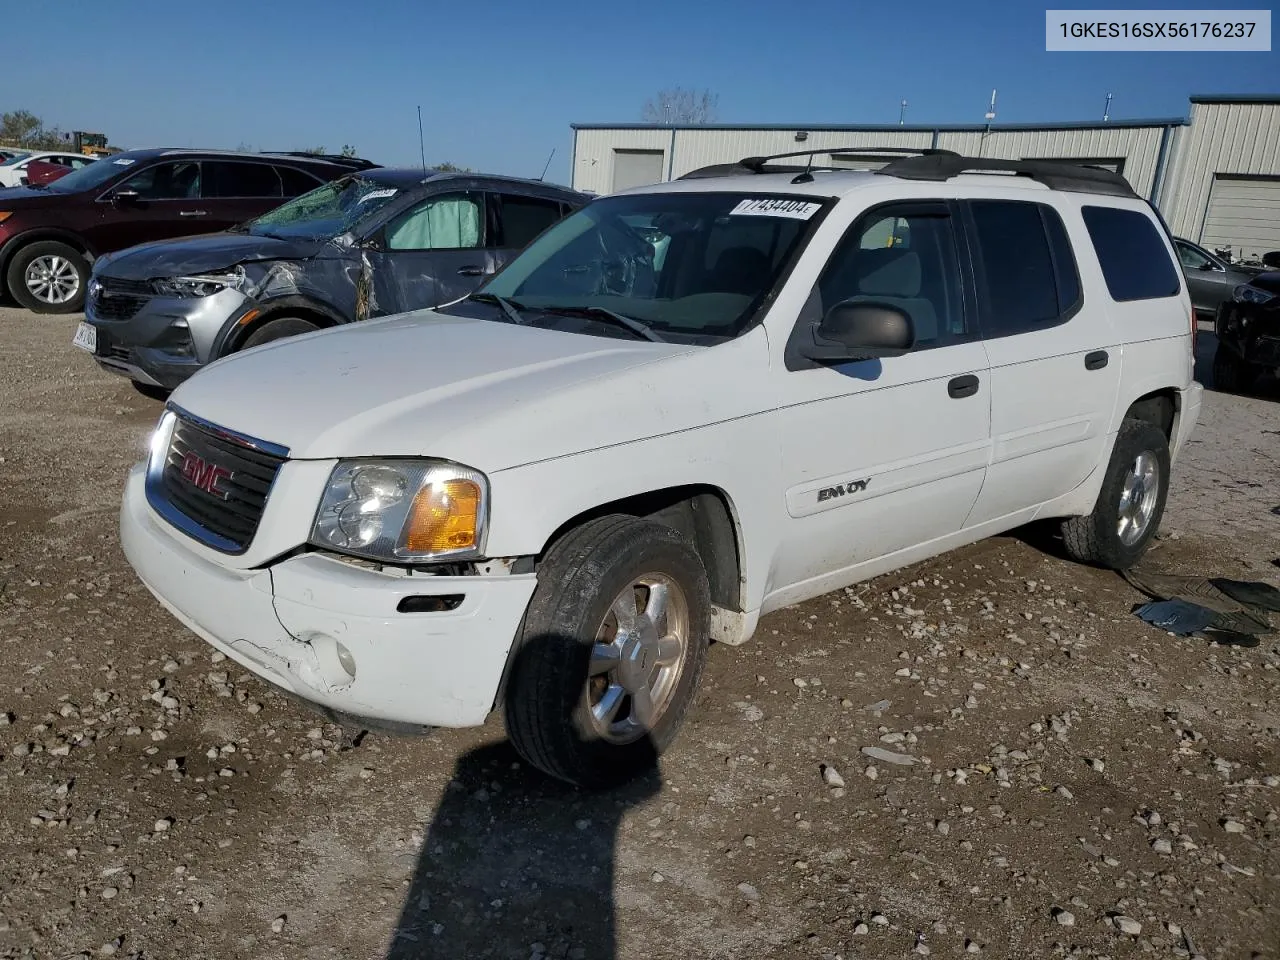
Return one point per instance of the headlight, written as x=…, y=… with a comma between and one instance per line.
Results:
x=199, y=286
x=1250, y=294
x=403, y=510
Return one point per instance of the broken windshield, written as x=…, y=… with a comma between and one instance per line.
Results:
x=324, y=213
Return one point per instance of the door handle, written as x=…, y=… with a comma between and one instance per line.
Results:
x=472, y=272
x=193, y=213
x=961, y=387
x=1096, y=360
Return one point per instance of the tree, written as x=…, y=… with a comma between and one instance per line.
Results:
x=347, y=150
x=678, y=105
x=448, y=167
x=25, y=129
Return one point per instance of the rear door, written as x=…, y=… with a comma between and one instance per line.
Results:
x=1055, y=359
x=434, y=253
x=236, y=190
x=167, y=204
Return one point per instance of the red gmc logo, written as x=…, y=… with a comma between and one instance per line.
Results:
x=200, y=473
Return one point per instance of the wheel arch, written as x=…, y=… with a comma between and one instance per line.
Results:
x=1159, y=407
x=16, y=243
x=304, y=308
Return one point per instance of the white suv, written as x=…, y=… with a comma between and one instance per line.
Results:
x=680, y=408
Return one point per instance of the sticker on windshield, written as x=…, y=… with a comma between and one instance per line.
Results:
x=122, y=162
x=792, y=209
x=378, y=194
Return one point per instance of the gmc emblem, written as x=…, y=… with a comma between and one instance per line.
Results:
x=204, y=475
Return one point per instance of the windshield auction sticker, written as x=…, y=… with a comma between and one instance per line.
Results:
x=792, y=209
x=1159, y=30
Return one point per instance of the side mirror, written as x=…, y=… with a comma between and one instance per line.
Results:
x=861, y=331
x=125, y=195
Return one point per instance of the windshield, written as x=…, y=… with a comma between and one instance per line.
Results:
x=16, y=158
x=92, y=175
x=324, y=213
x=694, y=265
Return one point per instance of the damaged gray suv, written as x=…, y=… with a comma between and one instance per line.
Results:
x=378, y=242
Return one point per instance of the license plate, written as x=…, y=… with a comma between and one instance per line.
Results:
x=86, y=337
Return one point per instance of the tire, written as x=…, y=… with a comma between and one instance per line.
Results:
x=1231, y=374
x=550, y=696
x=1099, y=538
x=278, y=329
x=48, y=277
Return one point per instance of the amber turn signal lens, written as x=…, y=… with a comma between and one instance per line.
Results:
x=444, y=516
x=5, y=215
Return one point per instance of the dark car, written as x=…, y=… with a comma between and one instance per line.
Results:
x=1210, y=279
x=1248, y=329
x=373, y=243
x=50, y=235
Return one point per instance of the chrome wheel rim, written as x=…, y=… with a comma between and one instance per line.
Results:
x=52, y=279
x=1138, y=498
x=637, y=658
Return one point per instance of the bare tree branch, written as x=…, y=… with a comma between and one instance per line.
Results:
x=678, y=105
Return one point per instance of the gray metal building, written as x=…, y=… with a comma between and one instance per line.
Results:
x=1215, y=174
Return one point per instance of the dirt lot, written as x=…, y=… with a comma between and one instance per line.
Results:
x=1083, y=785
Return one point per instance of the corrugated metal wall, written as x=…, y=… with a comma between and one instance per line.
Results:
x=1224, y=138
x=593, y=154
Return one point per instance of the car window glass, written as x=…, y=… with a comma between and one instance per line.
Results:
x=1016, y=267
x=1192, y=258
x=523, y=218
x=167, y=181
x=1132, y=254
x=233, y=178
x=440, y=223
x=908, y=261
x=295, y=182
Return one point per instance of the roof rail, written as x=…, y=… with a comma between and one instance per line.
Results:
x=753, y=165
x=356, y=163
x=1054, y=174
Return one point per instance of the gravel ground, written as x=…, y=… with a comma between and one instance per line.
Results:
x=986, y=753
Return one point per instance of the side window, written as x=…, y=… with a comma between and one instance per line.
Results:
x=906, y=258
x=78, y=163
x=1192, y=258
x=295, y=182
x=1132, y=254
x=233, y=178
x=450, y=222
x=167, y=181
x=1025, y=265
x=523, y=218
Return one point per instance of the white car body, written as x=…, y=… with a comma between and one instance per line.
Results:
x=562, y=423
x=14, y=174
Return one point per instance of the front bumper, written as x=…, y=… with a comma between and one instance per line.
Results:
x=166, y=339
x=305, y=622
x=1251, y=330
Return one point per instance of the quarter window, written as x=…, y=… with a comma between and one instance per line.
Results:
x=1132, y=254
x=1026, y=267
x=906, y=259
x=295, y=182
x=441, y=223
x=227, y=179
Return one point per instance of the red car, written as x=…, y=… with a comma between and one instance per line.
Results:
x=40, y=172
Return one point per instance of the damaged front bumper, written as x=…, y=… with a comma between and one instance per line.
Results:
x=331, y=632
x=1251, y=331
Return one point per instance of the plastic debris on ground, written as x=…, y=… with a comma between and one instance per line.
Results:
x=1225, y=611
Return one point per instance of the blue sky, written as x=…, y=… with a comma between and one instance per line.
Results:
x=499, y=82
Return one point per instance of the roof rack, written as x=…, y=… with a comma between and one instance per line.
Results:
x=356, y=163
x=754, y=165
x=1054, y=174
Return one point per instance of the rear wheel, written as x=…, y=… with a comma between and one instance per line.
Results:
x=1130, y=504
x=48, y=277
x=610, y=653
x=1231, y=373
x=278, y=329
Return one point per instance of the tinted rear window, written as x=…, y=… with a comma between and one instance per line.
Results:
x=1134, y=260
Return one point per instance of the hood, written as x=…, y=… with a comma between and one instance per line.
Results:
x=1269, y=281
x=487, y=394
x=201, y=254
x=26, y=198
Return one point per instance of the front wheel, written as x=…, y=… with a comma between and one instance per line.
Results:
x=1130, y=504
x=278, y=329
x=48, y=277
x=610, y=653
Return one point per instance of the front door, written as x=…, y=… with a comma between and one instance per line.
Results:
x=1208, y=281
x=1055, y=358
x=434, y=253
x=159, y=202
x=879, y=456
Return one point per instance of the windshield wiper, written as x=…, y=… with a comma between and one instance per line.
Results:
x=602, y=313
x=510, y=307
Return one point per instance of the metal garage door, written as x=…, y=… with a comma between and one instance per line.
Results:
x=1245, y=214
x=636, y=168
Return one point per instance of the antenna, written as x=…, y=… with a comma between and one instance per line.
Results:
x=1106, y=111
x=422, y=147
x=902, y=112
x=991, y=111
x=547, y=164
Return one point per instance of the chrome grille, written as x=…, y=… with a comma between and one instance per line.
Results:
x=232, y=509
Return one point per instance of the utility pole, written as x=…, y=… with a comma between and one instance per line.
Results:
x=902, y=112
x=1106, y=111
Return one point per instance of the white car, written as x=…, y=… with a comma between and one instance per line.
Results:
x=13, y=171
x=548, y=498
